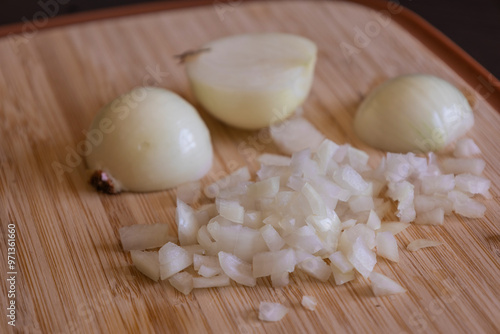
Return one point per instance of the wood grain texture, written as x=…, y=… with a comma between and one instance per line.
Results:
x=73, y=276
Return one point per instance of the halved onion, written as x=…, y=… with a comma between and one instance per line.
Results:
x=254, y=80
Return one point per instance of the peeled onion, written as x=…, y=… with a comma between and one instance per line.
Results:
x=149, y=139
x=413, y=113
x=254, y=80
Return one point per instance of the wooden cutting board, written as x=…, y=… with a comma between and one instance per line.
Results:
x=72, y=275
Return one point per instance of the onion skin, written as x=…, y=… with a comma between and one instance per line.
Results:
x=155, y=140
x=253, y=89
x=413, y=113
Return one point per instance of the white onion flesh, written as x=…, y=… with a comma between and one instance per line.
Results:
x=329, y=204
x=238, y=270
x=254, y=80
x=183, y=282
x=466, y=148
x=211, y=282
x=173, y=259
x=147, y=263
x=272, y=311
x=382, y=285
x=387, y=246
x=158, y=141
x=309, y=302
x=415, y=245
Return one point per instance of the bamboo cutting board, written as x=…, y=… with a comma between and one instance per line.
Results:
x=72, y=275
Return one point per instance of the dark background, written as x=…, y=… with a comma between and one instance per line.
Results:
x=473, y=25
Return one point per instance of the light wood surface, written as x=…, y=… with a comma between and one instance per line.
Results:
x=73, y=276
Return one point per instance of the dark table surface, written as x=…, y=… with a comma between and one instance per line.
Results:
x=473, y=25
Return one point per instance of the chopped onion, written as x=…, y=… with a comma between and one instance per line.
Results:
x=173, y=259
x=238, y=270
x=147, y=263
x=387, y=246
x=272, y=238
x=373, y=221
x=265, y=188
x=231, y=210
x=183, y=282
x=295, y=135
x=267, y=263
x=211, y=282
x=281, y=279
x=309, y=302
x=463, y=166
x=187, y=226
x=274, y=160
x=393, y=227
x=189, y=192
x=466, y=148
x=415, y=245
x=339, y=260
x=433, y=217
x=316, y=267
x=383, y=285
x=140, y=237
x=362, y=258
x=473, y=184
x=342, y=278
x=272, y=311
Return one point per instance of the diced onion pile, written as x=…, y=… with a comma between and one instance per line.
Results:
x=323, y=212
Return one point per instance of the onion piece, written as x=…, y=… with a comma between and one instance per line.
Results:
x=463, y=166
x=238, y=176
x=147, y=263
x=295, y=135
x=393, y=227
x=140, y=237
x=272, y=311
x=433, y=217
x=231, y=210
x=387, y=246
x=340, y=277
x=309, y=302
x=466, y=148
x=267, y=263
x=279, y=280
x=173, y=259
x=316, y=267
x=265, y=188
x=362, y=258
x=211, y=282
x=183, y=282
x=189, y=192
x=415, y=245
x=269, y=159
x=473, y=184
x=187, y=226
x=339, y=261
x=238, y=270
x=272, y=238
x=382, y=285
